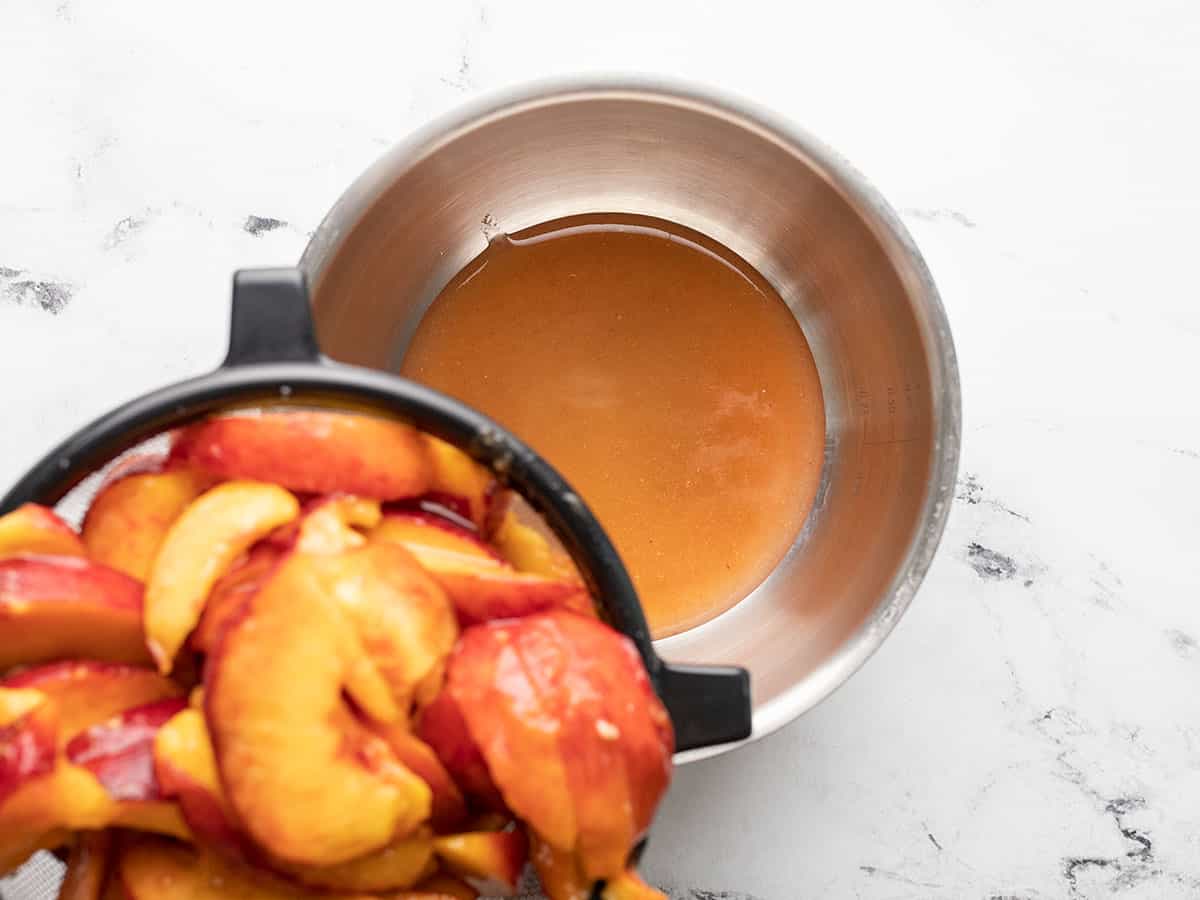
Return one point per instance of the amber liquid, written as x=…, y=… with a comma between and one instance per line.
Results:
x=665, y=379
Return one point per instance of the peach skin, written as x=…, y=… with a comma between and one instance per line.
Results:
x=35, y=529
x=61, y=607
x=311, y=452
x=126, y=523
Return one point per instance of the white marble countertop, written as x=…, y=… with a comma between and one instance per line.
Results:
x=1032, y=728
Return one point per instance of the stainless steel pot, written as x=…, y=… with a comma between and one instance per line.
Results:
x=831, y=246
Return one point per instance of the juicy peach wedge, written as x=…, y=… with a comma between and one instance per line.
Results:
x=449, y=808
x=35, y=529
x=28, y=738
x=126, y=523
x=186, y=769
x=480, y=584
x=397, y=866
x=311, y=452
x=308, y=782
x=495, y=857
x=231, y=593
x=61, y=607
x=86, y=692
x=565, y=717
x=119, y=754
x=460, y=483
x=204, y=541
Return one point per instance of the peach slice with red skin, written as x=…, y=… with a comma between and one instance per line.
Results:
x=186, y=769
x=210, y=534
x=231, y=592
x=42, y=811
x=481, y=586
x=87, y=866
x=35, y=529
x=61, y=607
x=565, y=717
x=28, y=738
x=311, y=452
x=558, y=872
x=449, y=809
x=85, y=692
x=528, y=550
x=126, y=523
x=461, y=484
x=442, y=727
x=119, y=753
x=308, y=782
x=495, y=857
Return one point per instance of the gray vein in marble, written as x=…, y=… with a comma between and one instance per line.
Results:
x=258, y=225
x=990, y=565
x=1139, y=864
x=49, y=295
x=1184, y=645
x=970, y=491
x=938, y=214
x=123, y=230
x=888, y=875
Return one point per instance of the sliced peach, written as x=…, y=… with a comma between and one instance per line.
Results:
x=628, y=886
x=87, y=866
x=42, y=811
x=401, y=614
x=574, y=737
x=481, y=586
x=120, y=754
x=558, y=872
x=459, y=483
x=28, y=738
x=449, y=810
x=208, y=536
x=311, y=452
x=441, y=886
x=85, y=692
x=160, y=870
x=528, y=550
x=28, y=751
x=186, y=769
x=443, y=728
x=495, y=857
x=59, y=607
x=306, y=779
x=425, y=532
x=231, y=592
x=35, y=529
x=399, y=865
x=126, y=523
x=328, y=525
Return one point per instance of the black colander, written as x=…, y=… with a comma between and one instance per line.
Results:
x=274, y=361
